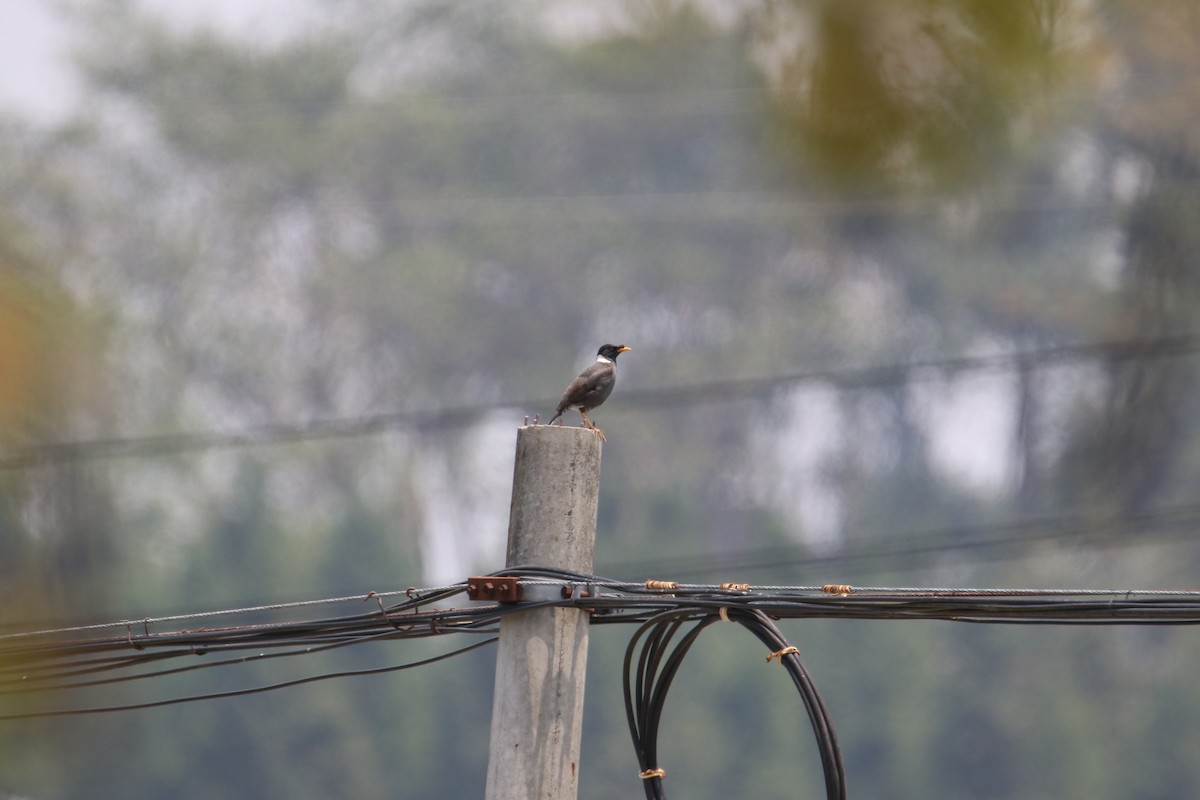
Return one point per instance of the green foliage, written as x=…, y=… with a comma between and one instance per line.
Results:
x=916, y=93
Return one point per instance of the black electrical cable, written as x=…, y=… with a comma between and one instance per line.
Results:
x=643, y=704
x=47, y=682
x=902, y=549
x=827, y=743
x=74, y=657
x=242, y=692
x=667, y=397
x=646, y=687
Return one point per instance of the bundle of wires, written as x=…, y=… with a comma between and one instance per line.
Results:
x=51, y=662
x=658, y=662
x=44, y=665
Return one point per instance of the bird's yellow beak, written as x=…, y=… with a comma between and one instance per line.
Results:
x=623, y=349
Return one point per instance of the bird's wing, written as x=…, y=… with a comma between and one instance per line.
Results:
x=592, y=380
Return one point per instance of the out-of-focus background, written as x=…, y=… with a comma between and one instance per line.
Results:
x=912, y=288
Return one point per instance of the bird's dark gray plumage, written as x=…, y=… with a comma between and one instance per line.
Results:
x=592, y=387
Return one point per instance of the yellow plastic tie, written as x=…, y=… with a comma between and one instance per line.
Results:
x=724, y=612
x=657, y=772
x=840, y=589
x=735, y=587
x=653, y=584
x=787, y=651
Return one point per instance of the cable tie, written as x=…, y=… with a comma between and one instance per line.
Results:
x=724, y=612
x=378, y=600
x=657, y=772
x=653, y=584
x=735, y=587
x=382, y=610
x=787, y=651
x=840, y=589
x=129, y=637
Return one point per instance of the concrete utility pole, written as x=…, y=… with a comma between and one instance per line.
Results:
x=537, y=712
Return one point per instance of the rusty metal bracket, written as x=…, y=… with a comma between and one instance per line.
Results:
x=496, y=589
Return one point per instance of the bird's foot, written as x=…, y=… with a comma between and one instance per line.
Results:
x=588, y=423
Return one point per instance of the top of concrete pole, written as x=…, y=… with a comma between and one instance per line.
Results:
x=556, y=491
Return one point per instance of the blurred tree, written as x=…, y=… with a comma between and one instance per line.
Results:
x=57, y=545
x=874, y=94
x=1125, y=447
x=436, y=205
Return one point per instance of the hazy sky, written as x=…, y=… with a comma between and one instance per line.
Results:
x=33, y=79
x=35, y=76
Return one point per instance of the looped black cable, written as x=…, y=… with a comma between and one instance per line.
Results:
x=646, y=688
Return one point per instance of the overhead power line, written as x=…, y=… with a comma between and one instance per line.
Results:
x=901, y=550
x=676, y=396
x=670, y=617
x=723, y=206
x=54, y=662
x=352, y=673
x=417, y=107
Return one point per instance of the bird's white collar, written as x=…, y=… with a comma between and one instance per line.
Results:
x=603, y=360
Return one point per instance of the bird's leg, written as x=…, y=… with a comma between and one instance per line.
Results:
x=592, y=425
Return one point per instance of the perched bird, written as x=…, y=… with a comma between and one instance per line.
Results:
x=592, y=387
